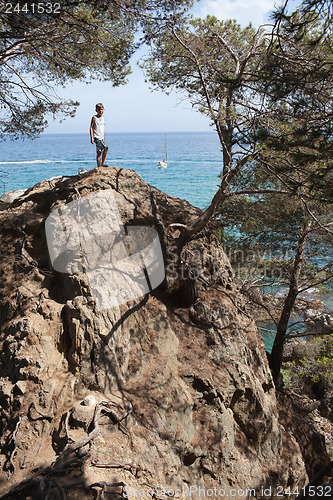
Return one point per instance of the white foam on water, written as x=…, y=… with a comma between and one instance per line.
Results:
x=27, y=162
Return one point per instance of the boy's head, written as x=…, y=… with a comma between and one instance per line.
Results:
x=99, y=108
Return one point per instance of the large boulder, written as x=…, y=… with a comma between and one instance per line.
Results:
x=147, y=395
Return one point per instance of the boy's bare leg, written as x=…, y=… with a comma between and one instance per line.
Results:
x=105, y=152
x=98, y=158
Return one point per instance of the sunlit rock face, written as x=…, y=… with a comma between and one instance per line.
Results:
x=194, y=383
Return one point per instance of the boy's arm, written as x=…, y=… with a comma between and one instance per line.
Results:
x=92, y=130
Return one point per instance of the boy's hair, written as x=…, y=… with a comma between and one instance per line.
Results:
x=99, y=105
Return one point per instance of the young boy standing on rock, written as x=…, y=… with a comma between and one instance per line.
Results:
x=97, y=134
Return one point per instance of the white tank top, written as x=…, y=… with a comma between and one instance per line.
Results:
x=99, y=128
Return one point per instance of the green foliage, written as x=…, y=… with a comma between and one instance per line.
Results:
x=314, y=369
x=309, y=12
x=206, y=59
x=268, y=95
x=79, y=40
x=269, y=224
x=297, y=135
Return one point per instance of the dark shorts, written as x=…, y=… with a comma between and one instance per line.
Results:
x=100, y=145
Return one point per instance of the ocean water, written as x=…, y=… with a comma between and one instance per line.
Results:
x=194, y=160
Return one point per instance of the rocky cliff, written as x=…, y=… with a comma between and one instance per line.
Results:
x=137, y=399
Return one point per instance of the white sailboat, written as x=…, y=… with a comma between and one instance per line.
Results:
x=163, y=164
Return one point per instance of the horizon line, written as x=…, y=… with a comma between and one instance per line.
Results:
x=135, y=132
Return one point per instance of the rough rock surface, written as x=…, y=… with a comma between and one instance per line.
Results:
x=318, y=321
x=194, y=384
x=7, y=198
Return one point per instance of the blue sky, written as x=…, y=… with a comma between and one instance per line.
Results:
x=134, y=107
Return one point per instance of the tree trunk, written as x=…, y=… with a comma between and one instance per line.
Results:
x=200, y=223
x=280, y=338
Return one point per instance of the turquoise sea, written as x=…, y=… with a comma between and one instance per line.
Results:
x=194, y=160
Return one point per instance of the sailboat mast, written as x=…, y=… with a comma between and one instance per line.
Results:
x=165, y=150
x=163, y=164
